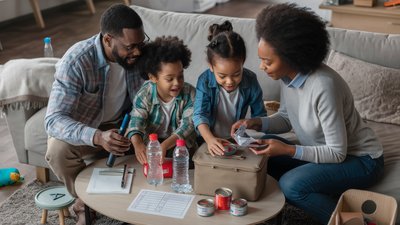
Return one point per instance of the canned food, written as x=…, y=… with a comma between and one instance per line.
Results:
x=205, y=207
x=223, y=197
x=239, y=207
x=229, y=149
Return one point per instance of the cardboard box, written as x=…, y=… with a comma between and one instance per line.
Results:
x=382, y=209
x=366, y=3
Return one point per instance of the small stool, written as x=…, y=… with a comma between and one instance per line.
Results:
x=54, y=198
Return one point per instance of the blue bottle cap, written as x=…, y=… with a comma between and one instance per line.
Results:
x=47, y=40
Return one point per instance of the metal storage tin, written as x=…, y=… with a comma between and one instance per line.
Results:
x=223, y=197
x=238, y=207
x=205, y=207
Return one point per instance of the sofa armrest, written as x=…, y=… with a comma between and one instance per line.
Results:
x=16, y=120
x=25, y=86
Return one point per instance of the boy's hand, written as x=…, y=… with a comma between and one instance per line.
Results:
x=140, y=152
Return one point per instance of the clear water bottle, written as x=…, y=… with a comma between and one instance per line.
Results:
x=154, y=159
x=48, y=49
x=180, y=178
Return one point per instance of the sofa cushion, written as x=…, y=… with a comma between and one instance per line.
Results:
x=381, y=49
x=375, y=88
x=193, y=30
x=35, y=134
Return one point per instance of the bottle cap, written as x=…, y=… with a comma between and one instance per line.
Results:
x=153, y=137
x=47, y=40
x=180, y=142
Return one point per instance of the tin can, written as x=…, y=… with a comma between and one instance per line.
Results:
x=205, y=207
x=223, y=197
x=239, y=207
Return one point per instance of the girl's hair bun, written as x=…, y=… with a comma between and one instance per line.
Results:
x=216, y=29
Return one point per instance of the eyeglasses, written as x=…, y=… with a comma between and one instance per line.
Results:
x=131, y=47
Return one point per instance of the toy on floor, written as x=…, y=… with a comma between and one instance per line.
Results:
x=9, y=176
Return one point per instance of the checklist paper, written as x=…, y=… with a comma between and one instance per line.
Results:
x=161, y=203
x=108, y=181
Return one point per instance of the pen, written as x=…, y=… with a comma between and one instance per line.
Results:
x=124, y=177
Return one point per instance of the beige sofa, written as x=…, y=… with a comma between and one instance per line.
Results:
x=370, y=62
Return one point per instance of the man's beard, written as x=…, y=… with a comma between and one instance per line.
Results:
x=123, y=61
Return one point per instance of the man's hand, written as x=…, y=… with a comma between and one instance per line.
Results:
x=111, y=141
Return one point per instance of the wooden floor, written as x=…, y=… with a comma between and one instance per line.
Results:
x=67, y=25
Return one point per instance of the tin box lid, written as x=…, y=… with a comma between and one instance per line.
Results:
x=251, y=163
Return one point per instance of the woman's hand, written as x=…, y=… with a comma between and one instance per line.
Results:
x=274, y=148
x=253, y=123
x=216, y=146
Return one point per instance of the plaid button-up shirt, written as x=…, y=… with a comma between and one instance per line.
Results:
x=147, y=115
x=75, y=108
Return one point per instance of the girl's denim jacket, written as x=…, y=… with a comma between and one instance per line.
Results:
x=207, y=97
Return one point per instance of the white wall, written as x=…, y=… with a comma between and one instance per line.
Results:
x=313, y=4
x=10, y=9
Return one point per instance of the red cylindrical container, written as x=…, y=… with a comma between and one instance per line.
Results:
x=223, y=197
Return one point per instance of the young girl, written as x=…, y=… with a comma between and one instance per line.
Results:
x=226, y=90
x=164, y=104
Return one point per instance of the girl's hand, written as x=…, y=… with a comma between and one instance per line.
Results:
x=253, y=123
x=215, y=146
x=274, y=148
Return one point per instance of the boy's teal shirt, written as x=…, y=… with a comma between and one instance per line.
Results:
x=147, y=116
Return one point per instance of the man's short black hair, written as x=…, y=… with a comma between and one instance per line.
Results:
x=163, y=50
x=117, y=17
x=298, y=35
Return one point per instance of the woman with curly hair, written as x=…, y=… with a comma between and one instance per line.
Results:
x=337, y=150
x=164, y=104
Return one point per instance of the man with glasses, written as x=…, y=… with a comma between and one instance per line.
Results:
x=95, y=83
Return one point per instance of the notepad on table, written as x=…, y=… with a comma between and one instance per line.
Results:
x=108, y=181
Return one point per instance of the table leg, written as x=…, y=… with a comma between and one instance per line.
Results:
x=37, y=13
x=87, y=215
x=278, y=218
x=44, y=217
x=66, y=212
x=127, y=2
x=61, y=216
x=91, y=6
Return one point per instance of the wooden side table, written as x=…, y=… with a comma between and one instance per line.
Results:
x=38, y=13
x=115, y=206
x=374, y=19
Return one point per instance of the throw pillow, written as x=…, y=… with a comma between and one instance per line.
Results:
x=375, y=88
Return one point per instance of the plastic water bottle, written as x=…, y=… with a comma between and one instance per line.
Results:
x=154, y=159
x=48, y=49
x=180, y=178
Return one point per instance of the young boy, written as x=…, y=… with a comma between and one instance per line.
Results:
x=164, y=104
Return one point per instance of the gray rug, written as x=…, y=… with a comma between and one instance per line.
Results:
x=20, y=209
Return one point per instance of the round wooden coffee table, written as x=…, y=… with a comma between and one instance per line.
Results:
x=115, y=205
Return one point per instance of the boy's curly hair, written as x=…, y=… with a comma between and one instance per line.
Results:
x=298, y=35
x=163, y=49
